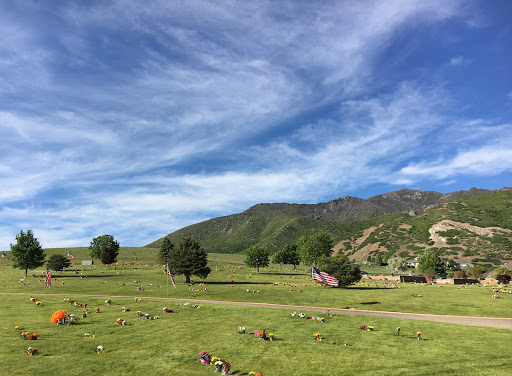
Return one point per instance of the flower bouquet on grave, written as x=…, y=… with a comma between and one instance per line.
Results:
x=32, y=351
x=167, y=310
x=99, y=349
x=225, y=368
x=24, y=335
x=241, y=329
x=97, y=310
x=271, y=336
x=302, y=315
x=418, y=334
x=318, y=336
x=362, y=327
x=17, y=327
x=218, y=365
x=205, y=357
x=126, y=309
x=121, y=322
x=255, y=374
x=263, y=334
x=38, y=303
x=294, y=314
x=369, y=328
x=32, y=299
x=108, y=302
x=320, y=319
x=33, y=337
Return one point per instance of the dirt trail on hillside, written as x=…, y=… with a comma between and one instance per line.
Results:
x=495, y=322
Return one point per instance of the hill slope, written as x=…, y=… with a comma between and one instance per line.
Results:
x=347, y=219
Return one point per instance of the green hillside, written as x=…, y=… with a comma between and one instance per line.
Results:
x=275, y=225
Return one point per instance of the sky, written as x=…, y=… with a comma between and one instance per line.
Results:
x=136, y=119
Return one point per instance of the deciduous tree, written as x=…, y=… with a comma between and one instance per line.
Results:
x=27, y=253
x=312, y=248
x=397, y=263
x=104, y=245
x=429, y=261
x=257, y=257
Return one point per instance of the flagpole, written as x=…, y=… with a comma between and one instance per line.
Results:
x=313, y=285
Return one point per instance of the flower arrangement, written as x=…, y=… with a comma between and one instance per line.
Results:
x=255, y=374
x=218, y=365
x=87, y=335
x=38, y=303
x=84, y=315
x=418, y=334
x=126, y=309
x=262, y=334
x=241, y=329
x=121, y=322
x=99, y=349
x=225, y=368
x=167, y=310
x=320, y=319
x=271, y=336
x=362, y=327
x=397, y=331
x=32, y=351
x=139, y=313
x=97, y=310
x=137, y=300
x=33, y=337
x=17, y=327
x=24, y=335
x=369, y=328
x=32, y=299
x=205, y=357
x=318, y=336
x=294, y=314
x=302, y=315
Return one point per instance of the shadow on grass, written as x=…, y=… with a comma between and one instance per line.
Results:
x=369, y=303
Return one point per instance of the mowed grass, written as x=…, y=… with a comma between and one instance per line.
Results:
x=171, y=344
x=231, y=280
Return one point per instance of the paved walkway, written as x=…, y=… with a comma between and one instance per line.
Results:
x=495, y=322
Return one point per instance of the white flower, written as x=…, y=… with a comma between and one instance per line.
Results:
x=294, y=313
x=100, y=348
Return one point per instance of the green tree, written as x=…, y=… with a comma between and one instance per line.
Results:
x=104, y=244
x=502, y=274
x=257, y=257
x=58, y=262
x=340, y=268
x=429, y=261
x=277, y=258
x=290, y=254
x=27, y=253
x=397, y=263
x=378, y=260
x=189, y=258
x=312, y=248
x=476, y=271
x=165, y=251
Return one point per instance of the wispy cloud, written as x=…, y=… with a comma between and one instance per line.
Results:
x=138, y=120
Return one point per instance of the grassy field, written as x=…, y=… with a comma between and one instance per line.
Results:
x=171, y=344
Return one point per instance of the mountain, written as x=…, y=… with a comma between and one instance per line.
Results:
x=401, y=218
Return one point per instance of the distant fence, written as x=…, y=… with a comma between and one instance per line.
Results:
x=422, y=279
x=464, y=281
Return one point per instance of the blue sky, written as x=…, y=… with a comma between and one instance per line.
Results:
x=138, y=118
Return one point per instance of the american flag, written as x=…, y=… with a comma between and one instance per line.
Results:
x=321, y=276
x=48, y=281
x=134, y=256
x=170, y=275
x=70, y=255
x=5, y=256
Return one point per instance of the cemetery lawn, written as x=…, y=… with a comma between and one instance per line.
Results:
x=171, y=344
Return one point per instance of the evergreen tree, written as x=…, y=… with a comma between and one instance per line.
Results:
x=165, y=250
x=27, y=253
x=58, y=262
x=189, y=258
x=341, y=268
